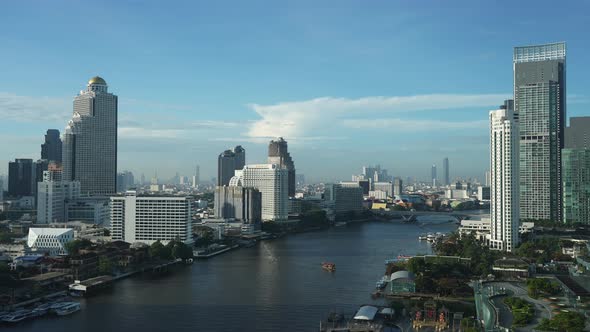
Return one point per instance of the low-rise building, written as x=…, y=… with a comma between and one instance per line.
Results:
x=50, y=240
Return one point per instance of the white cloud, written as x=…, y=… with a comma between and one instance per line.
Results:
x=34, y=109
x=408, y=125
x=307, y=118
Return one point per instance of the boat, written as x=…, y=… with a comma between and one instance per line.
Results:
x=329, y=266
x=422, y=237
x=403, y=257
x=16, y=316
x=41, y=310
x=68, y=308
x=382, y=283
x=340, y=224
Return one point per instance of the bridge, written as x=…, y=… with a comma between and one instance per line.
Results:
x=410, y=216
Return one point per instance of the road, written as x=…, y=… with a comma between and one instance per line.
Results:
x=542, y=308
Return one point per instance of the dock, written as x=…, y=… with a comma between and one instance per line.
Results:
x=204, y=254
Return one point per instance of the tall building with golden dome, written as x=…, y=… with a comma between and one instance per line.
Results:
x=90, y=140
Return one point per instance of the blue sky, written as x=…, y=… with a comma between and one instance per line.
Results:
x=397, y=83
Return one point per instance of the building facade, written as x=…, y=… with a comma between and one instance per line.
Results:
x=504, y=202
x=51, y=149
x=237, y=202
x=228, y=162
x=346, y=201
x=273, y=182
x=540, y=107
x=576, y=171
x=278, y=154
x=50, y=240
x=52, y=195
x=433, y=176
x=90, y=140
x=446, y=178
x=149, y=219
x=21, y=177
x=397, y=186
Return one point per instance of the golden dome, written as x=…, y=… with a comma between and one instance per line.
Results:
x=97, y=80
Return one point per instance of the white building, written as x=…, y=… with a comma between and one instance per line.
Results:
x=272, y=181
x=148, y=219
x=504, y=202
x=50, y=240
x=52, y=195
x=378, y=194
x=387, y=187
x=456, y=194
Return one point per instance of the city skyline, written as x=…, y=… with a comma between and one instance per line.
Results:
x=248, y=105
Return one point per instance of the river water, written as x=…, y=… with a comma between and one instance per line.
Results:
x=273, y=286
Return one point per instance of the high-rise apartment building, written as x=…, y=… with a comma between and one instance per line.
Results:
x=397, y=186
x=504, y=207
x=90, y=140
x=21, y=178
x=576, y=171
x=51, y=150
x=540, y=107
x=149, y=219
x=278, y=154
x=446, y=178
x=52, y=194
x=273, y=182
x=228, y=162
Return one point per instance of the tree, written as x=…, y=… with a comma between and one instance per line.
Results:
x=105, y=266
x=564, y=321
x=157, y=250
x=73, y=247
x=181, y=250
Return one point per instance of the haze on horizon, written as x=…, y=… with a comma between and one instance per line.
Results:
x=396, y=84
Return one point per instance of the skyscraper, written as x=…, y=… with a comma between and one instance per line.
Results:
x=273, y=183
x=576, y=171
x=228, y=162
x=278, y=154
x=51, y=149
x=446, y=179
x=433, y=175
x=540, y=108
x=90, y=140
x=21, y=178
x=504, y=209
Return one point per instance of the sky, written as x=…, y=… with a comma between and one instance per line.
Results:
x=402, y=84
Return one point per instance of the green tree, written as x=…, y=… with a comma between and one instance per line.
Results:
x=157, y=250
x=73, y=247
x=105, y=266
x=564, y=321
x=181, y=250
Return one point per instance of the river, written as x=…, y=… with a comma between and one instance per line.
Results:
x=275, y=285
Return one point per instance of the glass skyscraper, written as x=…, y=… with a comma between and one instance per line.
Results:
x=576, y=171
x=540, y=107
x=90, y=140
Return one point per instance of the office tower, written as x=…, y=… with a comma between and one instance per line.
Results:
x=278, y=154
x=576, y=171
x=273, y=183
x=488, y=178
x=196, y=177
x=21, y=178
x=1, y=188
x=142, y=179
x=125, y=181
x=397, y=186
x=344, y=200
x=228, y=162
x=504, y=207
x=93, y=210
x=51, y=149
x=540, y=108
x=52, y=194
x=151, y=218
x=237, y=202
x=433, y=175
x=446, y=179
x=90, y=140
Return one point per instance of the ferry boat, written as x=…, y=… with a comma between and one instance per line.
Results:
x=329, y=266
x=16, y=316
x=68, y=308
x=382, y=283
